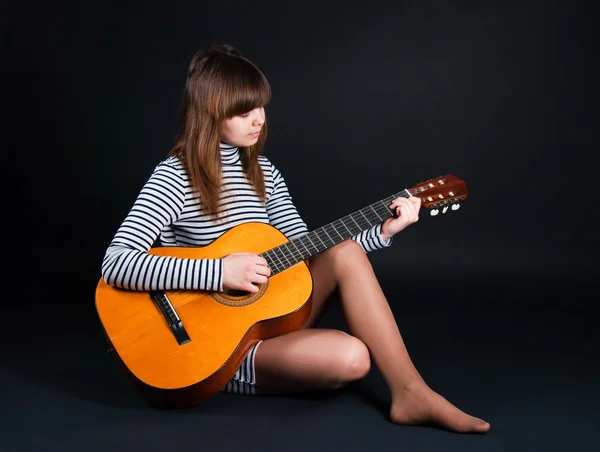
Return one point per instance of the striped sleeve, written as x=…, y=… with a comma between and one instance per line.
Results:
x=284, y=216
x=281, y=210
x=372, y=239
x=127, y=263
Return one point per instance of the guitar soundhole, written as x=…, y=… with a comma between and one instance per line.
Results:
x=237, y=298
x=236, y=293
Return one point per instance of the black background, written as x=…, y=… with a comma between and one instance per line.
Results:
x=368, y=99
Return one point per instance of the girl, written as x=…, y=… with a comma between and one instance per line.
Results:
x=214, y=178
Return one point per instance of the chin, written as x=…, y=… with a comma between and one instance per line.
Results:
x=251, y=141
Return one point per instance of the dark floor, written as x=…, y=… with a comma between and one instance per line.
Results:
x=522, y=355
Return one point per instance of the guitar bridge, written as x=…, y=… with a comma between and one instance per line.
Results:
x=170, y=314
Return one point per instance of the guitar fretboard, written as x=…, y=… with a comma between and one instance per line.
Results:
x=294, y=251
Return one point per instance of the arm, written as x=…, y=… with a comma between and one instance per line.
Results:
x=281, y=210
x=372, y=239
x=128, y=265
x=284, y=216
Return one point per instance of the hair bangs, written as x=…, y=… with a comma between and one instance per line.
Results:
x=247, y=89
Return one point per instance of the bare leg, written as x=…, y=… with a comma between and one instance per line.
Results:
x=371, y=320
x=308, y=360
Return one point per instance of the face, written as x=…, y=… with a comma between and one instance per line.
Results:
x=243, y=130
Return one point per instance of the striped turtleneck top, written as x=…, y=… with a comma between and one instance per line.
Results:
x=168, y=210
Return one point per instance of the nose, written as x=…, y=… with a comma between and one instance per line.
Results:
x=259, y=117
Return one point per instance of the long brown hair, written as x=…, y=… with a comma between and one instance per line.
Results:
x=221, y=83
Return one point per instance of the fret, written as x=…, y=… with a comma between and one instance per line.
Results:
x=357, y=225
x=299, y=240
x=291, y=252
x=265, y=255
x=329, y=242
x=307, y=236
x=348, y=232
x=317, y=235
x=280, y=250
x=294, y=252
x=368, y=222
x=270, y=262
x=276, y=257
x=280, y=255
x=371, y=219
x=371, y=206
x=300, y=253
x=386, y=212
x=347, y=228
x=336, y=231
x=318, y=240
x=340, y=226
x=323, y=229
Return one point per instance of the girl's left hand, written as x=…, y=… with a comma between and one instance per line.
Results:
x=407, y=210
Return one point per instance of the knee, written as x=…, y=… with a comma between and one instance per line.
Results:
x=349, y=247
x=349, y=254
x=355, y=361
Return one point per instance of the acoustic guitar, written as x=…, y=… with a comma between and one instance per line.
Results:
x=179, y=348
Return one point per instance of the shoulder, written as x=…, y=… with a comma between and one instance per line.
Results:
x=265, y=162
x=171, y=167
x=170, y=164
x=169, y=176
x=268, y=167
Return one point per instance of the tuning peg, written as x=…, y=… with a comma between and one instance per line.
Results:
x=455, y=206
x=445, y=209
x=434, y=212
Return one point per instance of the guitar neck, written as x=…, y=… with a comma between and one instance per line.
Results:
x=314, y=242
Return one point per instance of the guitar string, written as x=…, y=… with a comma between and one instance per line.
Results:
x=368, y=220
x=292, y=258
x=299, y=256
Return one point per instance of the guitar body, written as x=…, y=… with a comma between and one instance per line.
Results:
x=222, y=327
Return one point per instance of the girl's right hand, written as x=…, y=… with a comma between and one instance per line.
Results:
x=244, y=271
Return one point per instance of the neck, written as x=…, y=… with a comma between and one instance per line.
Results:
x=229, y=153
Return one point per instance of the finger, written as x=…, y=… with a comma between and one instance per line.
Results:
x=255, y=279
x=398, y=203
x=251, y=287
x=261, y=261
x=262, y=270
x=259, y=279
x=415, y=201
x=402, y=202
x=410, y=207
x=407, y=212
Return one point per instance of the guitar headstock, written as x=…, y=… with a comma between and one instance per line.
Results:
x=440, y=193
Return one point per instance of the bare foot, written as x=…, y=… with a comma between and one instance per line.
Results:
x=421, y=405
